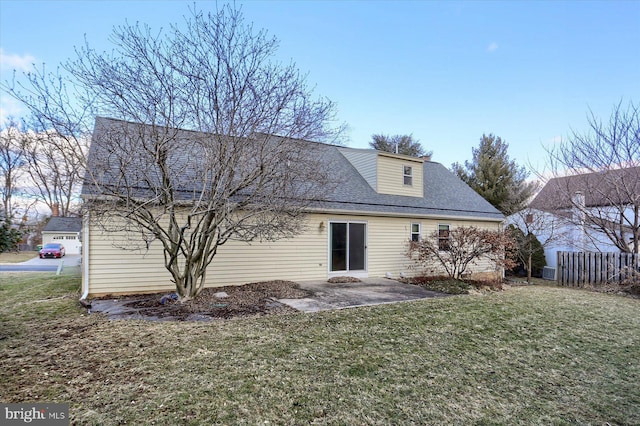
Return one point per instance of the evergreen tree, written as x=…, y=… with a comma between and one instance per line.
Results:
x=9, y=236
x=529, y=251
x=398, y=144
x=538, y=261
x=495, y=177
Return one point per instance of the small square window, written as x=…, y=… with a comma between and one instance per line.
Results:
x=407, y=174
x=415, y=232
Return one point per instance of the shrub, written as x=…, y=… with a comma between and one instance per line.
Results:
x=631, y=284
x=462, y=247
x=441, y=284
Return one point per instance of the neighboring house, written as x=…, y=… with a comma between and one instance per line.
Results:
x=64, y=230
x=360, y=229
x=590, y=212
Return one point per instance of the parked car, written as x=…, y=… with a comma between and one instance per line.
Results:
x=54, y=250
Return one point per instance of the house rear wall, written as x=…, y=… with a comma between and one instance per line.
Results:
x=113, y=270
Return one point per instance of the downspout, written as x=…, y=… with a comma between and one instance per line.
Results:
x=502, y=228
x=636, y=229
x=85, y=256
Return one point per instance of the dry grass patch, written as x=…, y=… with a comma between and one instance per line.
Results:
x=17, y=257
x=530, y=355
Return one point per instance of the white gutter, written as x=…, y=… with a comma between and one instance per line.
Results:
x=401, y=215
x=85, y=256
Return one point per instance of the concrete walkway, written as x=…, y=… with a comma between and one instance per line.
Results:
x=371, y=291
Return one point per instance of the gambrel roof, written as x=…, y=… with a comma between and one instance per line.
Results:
x=444, y=194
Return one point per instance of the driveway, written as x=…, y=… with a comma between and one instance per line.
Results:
x=371, y=291
x=41, y=265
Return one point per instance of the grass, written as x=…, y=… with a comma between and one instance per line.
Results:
x=21, y=256
x=529, y=355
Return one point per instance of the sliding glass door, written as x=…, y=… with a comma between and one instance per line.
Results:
x=348, y=246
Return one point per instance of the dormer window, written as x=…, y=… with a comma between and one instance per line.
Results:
x=407, y=175
x=388, y=173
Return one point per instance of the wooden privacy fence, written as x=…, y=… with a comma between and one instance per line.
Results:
x=593, y=268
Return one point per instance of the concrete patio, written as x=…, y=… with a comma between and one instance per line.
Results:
x=371, y=291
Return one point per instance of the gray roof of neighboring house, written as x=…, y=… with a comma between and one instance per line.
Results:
x=63, y=224
x=445, y=195
x=605, y=188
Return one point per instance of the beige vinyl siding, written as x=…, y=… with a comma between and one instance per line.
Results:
x=114, y=270
x=388, y=242
x=365, y=162
x=389, y=238
x=390, y=176
x=305, y=257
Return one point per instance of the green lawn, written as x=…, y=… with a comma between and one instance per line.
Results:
x=21, y=256
x=528, y=355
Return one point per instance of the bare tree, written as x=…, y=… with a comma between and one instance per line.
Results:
x=466, y=246
x=55, y=169
x=12, y=165
x=54, y=137
x=225, y=176
x=547, y=228
x=603, y=165
x=44, y=166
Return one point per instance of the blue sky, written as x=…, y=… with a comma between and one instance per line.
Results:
x=446, y=72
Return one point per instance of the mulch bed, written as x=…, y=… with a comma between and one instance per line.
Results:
x=215, y=303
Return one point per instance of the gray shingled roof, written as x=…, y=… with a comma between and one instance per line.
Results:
x=63, y=224
x=608, y=187
x=444, y=194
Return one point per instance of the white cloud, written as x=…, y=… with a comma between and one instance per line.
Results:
x=555, y=140
x=17, y=62
x=9, y=108
x=492, y=47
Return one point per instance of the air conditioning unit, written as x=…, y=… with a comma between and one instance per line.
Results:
x=549, y=273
